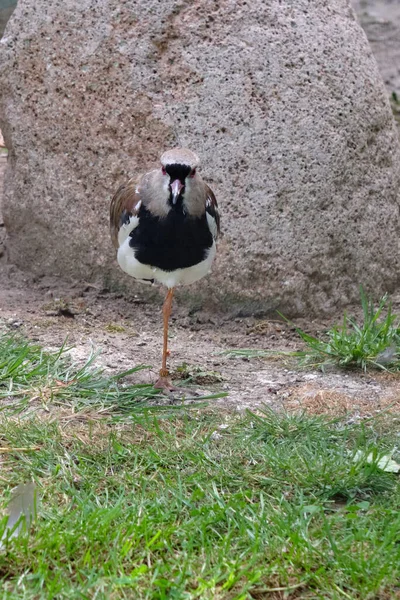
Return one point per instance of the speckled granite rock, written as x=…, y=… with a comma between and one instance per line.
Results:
x=283, y=102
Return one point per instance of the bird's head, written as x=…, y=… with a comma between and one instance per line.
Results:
x=179, y=166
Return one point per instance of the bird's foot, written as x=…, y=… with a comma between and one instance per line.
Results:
x=164, y=382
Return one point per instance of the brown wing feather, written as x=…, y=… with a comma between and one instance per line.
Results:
x=123, y=206
x=212, y=207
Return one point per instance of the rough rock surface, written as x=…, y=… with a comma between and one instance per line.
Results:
x=283, y=101
x=381, y=21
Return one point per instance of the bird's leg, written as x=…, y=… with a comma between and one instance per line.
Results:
x=166, y=314
x=164, y=381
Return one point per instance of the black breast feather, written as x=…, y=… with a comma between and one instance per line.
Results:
x=176, y=241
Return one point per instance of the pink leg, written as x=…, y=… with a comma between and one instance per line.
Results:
x=164, y=381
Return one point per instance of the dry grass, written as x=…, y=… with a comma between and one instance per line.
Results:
x=316, y=401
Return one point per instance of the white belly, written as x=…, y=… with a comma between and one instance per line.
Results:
x=129, y=264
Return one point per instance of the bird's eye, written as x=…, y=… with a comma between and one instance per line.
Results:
x=192, y=173
x=163, y=170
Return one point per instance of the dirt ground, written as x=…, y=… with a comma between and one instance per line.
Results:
x=129, y=332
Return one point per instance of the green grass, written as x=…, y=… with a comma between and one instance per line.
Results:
x=31, y=377
x=186, y=504
x=178, y=508
x=374, y=342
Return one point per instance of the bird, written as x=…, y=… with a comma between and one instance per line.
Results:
x=164, y=225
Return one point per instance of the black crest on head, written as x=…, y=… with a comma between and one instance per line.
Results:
x=177, y=171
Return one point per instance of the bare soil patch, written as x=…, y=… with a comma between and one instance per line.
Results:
x=129, y=333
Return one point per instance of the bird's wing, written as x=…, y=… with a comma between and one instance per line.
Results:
x=212, y=213
x=124, y=209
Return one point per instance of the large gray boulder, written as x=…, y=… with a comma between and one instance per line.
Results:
x=282, y=100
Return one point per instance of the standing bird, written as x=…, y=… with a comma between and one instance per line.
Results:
x=165, y=224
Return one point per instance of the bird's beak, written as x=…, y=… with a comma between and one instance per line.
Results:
x=176, y=187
